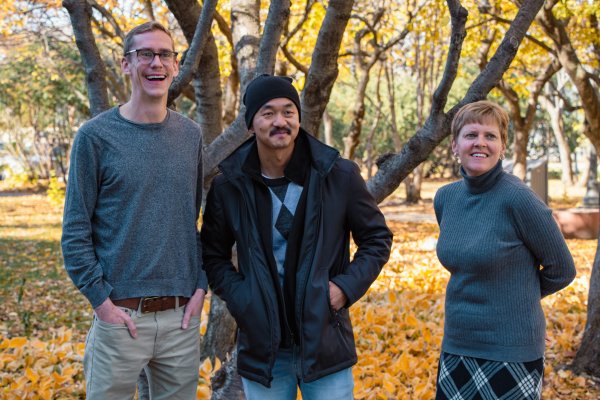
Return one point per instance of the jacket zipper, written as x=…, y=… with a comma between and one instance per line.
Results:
x=312, y=261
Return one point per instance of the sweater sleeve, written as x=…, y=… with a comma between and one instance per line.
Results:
x=202, y=282
x=438, y=205
x=543, y=238
x=371, y=235
x=217, y=243
x=77, y=243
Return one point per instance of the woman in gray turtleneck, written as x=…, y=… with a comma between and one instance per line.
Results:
x=504, y=253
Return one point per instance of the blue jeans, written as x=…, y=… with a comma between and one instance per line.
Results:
x=287, y=379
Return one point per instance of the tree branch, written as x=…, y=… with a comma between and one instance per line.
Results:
x=323, y=70
x=529, y=37
x=223, y=27
x=279, y=12
x=80, y=13
x=287, y=54
x=194, y=52
x=109, y=17
x=458, y=20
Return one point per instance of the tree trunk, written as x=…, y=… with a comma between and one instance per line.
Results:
x=371, y=135
x=327, y=128
x=582, y=80
x=358, y=114
x=226, y=384
x=219, y=340
x=324, y=64
x=207, y=85
x=413, y=184
x=80, y=13
x=520, y=152
x=584, y=175
x=588, y=356
x=554, y=108
x=389, y=78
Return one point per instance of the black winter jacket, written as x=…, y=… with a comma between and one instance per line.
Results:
x=337, y=204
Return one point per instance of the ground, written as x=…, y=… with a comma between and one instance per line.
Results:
x=398, y=324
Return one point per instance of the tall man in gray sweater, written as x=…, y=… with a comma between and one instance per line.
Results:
x=130, y=240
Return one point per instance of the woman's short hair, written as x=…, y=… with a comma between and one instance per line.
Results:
x=143, y=28
x=481, y=112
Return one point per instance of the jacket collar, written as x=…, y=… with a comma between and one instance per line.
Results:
x=244, y=160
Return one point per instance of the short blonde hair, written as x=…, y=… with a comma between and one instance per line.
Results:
x=481, y=112
x=149, y=26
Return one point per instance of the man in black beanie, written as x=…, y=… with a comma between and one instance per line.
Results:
x=289, y=203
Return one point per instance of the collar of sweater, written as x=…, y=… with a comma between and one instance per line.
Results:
x=482, y=183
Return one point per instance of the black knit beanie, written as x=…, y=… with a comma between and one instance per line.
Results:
x=268, y=87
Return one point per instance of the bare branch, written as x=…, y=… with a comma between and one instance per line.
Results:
x=109, y=17
x=279, y=12
x=324, y=69
x=529, y=37
x=225, y=144
x=223, y=27
x=80, y=13
x=288, y=55
x=194, y=53
x=458, y=18
x=505, y=53
x=299, y=66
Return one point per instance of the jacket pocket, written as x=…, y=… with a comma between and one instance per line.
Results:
x=239, y=300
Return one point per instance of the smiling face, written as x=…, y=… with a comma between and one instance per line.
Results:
x=276, y=125
x=479, y=147
x=150, y=82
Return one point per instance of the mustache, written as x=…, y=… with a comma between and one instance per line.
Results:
x=275, y=131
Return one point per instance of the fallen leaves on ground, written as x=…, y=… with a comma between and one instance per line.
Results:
x=398, y=324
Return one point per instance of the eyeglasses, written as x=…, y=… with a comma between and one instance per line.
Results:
x=146, y=56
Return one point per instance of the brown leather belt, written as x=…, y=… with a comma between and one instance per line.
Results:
x=152, y=304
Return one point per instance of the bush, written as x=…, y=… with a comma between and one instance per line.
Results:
x=56, y=191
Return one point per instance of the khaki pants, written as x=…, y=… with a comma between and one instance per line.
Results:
x=170, y=355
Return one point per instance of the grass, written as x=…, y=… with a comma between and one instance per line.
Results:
x=35, y=291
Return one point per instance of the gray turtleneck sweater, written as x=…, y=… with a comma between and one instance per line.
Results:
x=494, y=235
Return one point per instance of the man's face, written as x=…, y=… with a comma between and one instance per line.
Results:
x=150, y=80
x=276, y=124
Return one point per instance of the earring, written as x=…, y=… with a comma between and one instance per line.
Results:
x=456, y=158
x=502, y=156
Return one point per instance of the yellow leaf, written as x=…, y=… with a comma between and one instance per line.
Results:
x=18, y=342
x=203, y=392
x=389, y=386
x=206, y=367
x=32, y=375
x=411, y=320
x=45, y=394
x=392, y=296
x=59, y=379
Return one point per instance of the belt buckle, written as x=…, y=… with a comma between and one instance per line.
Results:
x=144, y=306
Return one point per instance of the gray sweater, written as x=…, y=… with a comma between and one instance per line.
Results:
x=494, y=235
x=132, y=202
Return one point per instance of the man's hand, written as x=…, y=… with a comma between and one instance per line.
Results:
x=108, y=312
x=337, y=298
x=193, y=308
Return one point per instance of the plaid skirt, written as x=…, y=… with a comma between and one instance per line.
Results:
x=468, y=378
